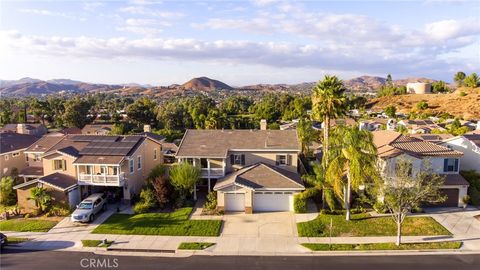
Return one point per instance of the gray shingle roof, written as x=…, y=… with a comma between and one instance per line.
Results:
x=10, y=141
x=216, y=143
x=262, y=176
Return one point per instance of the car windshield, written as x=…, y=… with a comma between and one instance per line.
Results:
x=85, y=205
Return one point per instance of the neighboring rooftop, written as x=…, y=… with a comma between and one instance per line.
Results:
x=434, y=138
x=10, y=141
x=216, y=143
x=97, y=129
x=391, y=144
x=262, y=176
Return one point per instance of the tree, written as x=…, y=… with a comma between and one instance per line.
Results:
x=7, y=194
x=306, y=134
x=390, y=111
x=161, y=188
x=405, y=190
x=353, y=163
x=472, y=80
x=183, y=178
x=41, y=197
x=459, y=77
x=440, y=87
x=328, y=102
x=76, y=113
x=317, y=179
x=142, y=111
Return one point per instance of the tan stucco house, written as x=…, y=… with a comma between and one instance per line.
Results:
x=12, y=148
x=251, y=170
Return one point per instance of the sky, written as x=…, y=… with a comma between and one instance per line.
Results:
x=237, y=42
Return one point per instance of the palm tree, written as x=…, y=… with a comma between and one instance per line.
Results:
x=41, y=197
x=317, y=179
x=353, y=159
x=306, y=134
x=329, y=102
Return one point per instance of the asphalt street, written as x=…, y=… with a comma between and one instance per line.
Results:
x=47, y=260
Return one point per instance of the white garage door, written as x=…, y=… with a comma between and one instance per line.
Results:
x=234, y=202
x=272, y=201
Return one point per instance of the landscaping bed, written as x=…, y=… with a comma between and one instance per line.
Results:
x=384, y=246
x=16, y=240
x=28, y=224
x=365, y=225
x=195, y=245
x=175, y=223
x=95, y=243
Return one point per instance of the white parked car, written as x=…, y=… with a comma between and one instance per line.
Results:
x=89, y=207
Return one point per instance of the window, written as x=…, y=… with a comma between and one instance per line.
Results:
x=131, y=165
x=59, y=164
x=115, y=171
x=237, y=159
x=450, y=165
x=155, y=154
x=15, y=154
x=283, y=160
x=103, y=170
x=6, y=157
x=88, y=169
x=36, y=157
x=139, y=162
x=26, y=157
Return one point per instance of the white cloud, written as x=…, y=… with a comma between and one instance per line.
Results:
x=142, y=10
x=253, y=25
x=92, y=6
x=45, y=12
x=146, y=27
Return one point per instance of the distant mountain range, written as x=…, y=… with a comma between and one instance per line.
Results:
x=29, y=86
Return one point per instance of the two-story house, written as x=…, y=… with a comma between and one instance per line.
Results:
x=442, y=160
x=252, y=170
x=469, y=144
x=75, y=166
x=12, y=151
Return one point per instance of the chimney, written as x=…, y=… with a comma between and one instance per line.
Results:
x=391, y=124
x=21, y=128
x=263, y=124
x=147, y=128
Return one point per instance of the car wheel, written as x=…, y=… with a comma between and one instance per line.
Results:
x=92, y=217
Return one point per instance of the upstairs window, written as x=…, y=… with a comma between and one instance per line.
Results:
x=237, y=159
x=36, y=157
x=59, y=164
x=139, y=162
x=131, y=165
x=450, y=165
x=155, y=154
x=15, y=154
x=283, y=160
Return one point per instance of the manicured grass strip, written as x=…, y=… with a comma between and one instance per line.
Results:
x=27, y=225
x=195, y=245
x=95, y=243
x=383, y=246
x=175, y=224
x=16, y=240
x=365, y=225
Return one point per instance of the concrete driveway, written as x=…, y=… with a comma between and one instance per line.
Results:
x=259, y=224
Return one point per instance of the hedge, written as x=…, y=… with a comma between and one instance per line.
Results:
x=300, y=200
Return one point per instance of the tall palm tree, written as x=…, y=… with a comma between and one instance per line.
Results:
x=329, y=101
x=353, y=163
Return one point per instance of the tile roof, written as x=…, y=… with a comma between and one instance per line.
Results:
x=216, y=143
x=59, y=180
x=434, y=138
x=474, y=138
x=391, y=144
x=10, y=141
x=99, y=160
x=262, y=176
x=45, y=143
x=94, y=128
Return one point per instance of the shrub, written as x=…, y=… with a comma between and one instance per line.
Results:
x=161, y=189
x=462, y=94
x=59, y=210
x=380, y=207
x=473, y=179
x=211, y=203
x=147, y=201
x=300, y=200
x=141, y=208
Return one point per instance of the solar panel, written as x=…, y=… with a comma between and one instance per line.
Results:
x=95, y=138
x=108, y=148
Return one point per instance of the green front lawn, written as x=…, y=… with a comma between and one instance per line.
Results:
x=16, y=240
x=194, y=245
x=365, y=225
x=28, y=225
x=95, y=243
x=175, y=223
x=384, y=246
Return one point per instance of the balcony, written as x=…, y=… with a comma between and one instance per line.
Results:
x=101, y=179
x=214, y=173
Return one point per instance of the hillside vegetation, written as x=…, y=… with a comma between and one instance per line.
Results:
x=464, y=102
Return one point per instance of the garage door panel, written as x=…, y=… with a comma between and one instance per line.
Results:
x=451, y=195
x=271, y=202
x=235, y=202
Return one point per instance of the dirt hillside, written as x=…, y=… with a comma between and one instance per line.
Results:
x=465, y=106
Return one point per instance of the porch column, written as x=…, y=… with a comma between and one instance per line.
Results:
x=208, y=175
x=223, y=167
